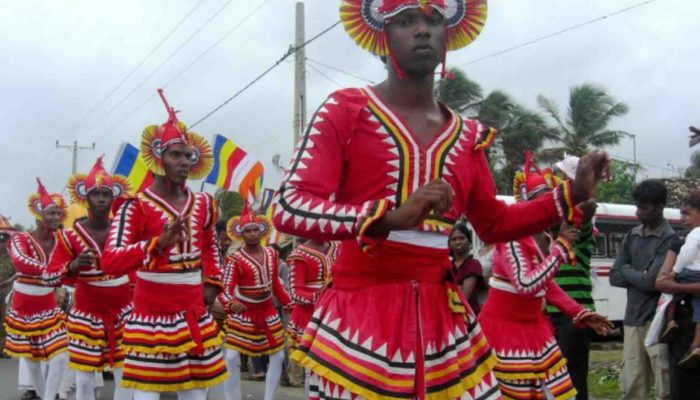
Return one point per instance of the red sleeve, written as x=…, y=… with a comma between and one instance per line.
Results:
x=471, y=267
x=22, y=261
x=529, y=278
x=126, y=251
x=557, y=297
x=277, y=287
x=230, y=281
x=494, y=221
x=61, y=256
x=304, y=204
x=297, y=281
x=211, y=258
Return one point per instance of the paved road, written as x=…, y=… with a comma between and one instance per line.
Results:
x=251, y=390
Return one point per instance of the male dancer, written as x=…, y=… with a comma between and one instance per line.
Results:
x=387, y=170
x=96, y=320
x=166, y=234
x=35, y=324
x=253, y=325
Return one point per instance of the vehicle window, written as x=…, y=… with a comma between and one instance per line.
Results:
x=614, y=243
x=600, y=250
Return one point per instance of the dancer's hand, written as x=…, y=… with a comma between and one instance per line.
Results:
x=236, y=307
x=210, y=292
x=568, y=233
x=600, y=324
x=172, y=233
x=592, y=168
x=588, y=208
x=435, y=198
x=84, y=259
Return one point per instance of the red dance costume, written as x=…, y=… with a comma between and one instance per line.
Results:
x=172, y=343
x=96, y=320
x=35, y=325
x=390, y=326
x=258, y=330
x=309, y=272
x=513, y=319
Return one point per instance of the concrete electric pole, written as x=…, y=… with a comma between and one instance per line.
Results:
x=299, y=75
x=75, y=149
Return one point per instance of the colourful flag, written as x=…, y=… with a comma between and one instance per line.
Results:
x=130, y=164
x=235, y=170
x=266, y=210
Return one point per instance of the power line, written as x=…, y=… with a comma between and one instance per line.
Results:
x=340, y=70
x=133, y=70
x=292, y=50
x=170, y=57
x=325, y=75
x=561, y=32
x=191, y=64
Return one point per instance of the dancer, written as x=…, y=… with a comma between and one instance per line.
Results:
x=530, y=363
x=253, y=325
x=167, y=235
x=35, y=325
x=388, y=170
x=96, y=319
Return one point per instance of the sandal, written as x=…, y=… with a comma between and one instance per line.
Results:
x=669, y=333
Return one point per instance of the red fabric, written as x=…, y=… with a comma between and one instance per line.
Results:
x=258, y=313
x=140, y=220
x=27, y=257
x=347, y=162
x=511, y=321
x=243, y=270
x=164, y=299
x=107, y=302
x=387, y=264
x=170, y=133
x=26, y=304
x=44, y=196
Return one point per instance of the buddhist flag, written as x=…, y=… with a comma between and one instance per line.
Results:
x=266, y=210
x=130, y=164
x=235, y=170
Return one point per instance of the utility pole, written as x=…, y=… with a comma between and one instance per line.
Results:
x=75, y=149
x=299, y=75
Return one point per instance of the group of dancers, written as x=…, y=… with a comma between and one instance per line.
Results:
x=384, y=171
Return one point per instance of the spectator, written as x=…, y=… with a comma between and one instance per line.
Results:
x=637, y=264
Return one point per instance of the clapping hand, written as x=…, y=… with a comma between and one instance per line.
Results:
x=592, y=168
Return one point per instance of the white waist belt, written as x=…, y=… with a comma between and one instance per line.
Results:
x=507, y=287
x=184, y=278
x=122, y=280
x=247, y=299
x=31, y=290
x=419, y=238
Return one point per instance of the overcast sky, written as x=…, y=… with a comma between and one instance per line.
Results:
x=61, y=58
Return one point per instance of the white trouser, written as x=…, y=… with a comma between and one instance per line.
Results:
x=192, y=394
x=86, y=382
x=47, y=388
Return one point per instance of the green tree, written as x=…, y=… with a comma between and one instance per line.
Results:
x=693, y=172
x=589, y=114
x=459, y=93
x=619, y=189
x=230, y=204
x=519, y=129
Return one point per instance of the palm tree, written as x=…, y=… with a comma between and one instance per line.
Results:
x=459, y=93
x=230, y=204
x=589, y=113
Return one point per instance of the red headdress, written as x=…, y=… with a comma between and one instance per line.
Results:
x=155, y=139
x=531, y=180
x=41, y=200
x=236, y=225
x=80, y=185
x=364, y=21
